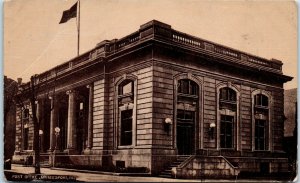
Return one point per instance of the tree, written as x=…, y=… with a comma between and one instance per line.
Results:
x=10, y=91
x=30, y=91
x=36, y=140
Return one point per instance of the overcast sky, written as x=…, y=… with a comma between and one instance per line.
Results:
x=34, y=41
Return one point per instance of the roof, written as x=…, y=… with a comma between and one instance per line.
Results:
x=158, y=31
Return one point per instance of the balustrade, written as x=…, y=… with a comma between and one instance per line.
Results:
x=181, y=38
x=199, y=43
x=163, y=33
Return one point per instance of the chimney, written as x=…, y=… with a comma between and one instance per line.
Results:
x=19, y=81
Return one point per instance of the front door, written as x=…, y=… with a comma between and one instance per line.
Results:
x=185, y=132
x=185, y=139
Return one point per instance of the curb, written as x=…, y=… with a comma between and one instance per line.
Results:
x=92, y=171
x=102, y=172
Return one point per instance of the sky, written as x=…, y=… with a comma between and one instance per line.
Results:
x=34, y=41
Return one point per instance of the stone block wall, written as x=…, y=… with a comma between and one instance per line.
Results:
x=163, y=99
x=253, y=164
x=98, y=115
x=144, y=107
x=18, y=143
x=133, y=157
x=208, y=167
x=76, y=160
x=209, y=111
x=106, y=120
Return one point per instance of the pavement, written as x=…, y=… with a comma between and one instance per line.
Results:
x=19, y=172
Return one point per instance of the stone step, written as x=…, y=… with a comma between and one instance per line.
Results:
x=167, y=172
x=165, y=176
x=45, y=165
x=175, y=163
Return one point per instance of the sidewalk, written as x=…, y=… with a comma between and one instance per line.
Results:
x=92, y=176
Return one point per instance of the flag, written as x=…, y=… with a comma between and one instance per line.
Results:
x=68, y=14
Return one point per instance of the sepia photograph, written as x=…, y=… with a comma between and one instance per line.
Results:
x=150, y=91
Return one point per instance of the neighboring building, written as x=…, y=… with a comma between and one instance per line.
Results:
x=290, y=128
x=290, y=102
x=158, y=99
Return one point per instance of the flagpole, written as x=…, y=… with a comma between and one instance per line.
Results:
x=78, y=28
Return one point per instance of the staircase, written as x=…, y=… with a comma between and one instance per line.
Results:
x=167, y=172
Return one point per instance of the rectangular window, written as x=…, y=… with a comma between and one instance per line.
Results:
x=184, y=115
x=25, y=137
x=226, y=133
x=260, y=132
x=126, y=127
x=26, y=114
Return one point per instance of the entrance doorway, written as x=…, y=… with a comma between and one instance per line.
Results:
x=187, y=107
x=185, y=138
x=185, y=132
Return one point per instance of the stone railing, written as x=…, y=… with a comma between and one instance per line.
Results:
x=223, y=50
x=130, y=39
x=102, y=49
x=155, y=29
x=182, y=38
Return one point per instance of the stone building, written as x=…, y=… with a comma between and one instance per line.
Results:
x=161, y=100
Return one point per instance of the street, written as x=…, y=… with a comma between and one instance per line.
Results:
x=90, y=176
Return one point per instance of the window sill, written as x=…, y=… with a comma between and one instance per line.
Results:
x=230, y=149
x=261, y=107
x=228, y=101
x=187, y=95
x=125, y=95
x=126, y=147
x=261, y=151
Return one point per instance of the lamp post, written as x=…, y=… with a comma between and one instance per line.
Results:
x=57, y=130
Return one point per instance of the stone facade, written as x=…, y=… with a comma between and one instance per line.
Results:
x=156, y=94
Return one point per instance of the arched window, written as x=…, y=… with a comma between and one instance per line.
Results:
x=187, y=112
x=261, y=117
x=188, y=87
x=126, y=105
x=261, y=100
x=227, y=110
x=227, y=94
